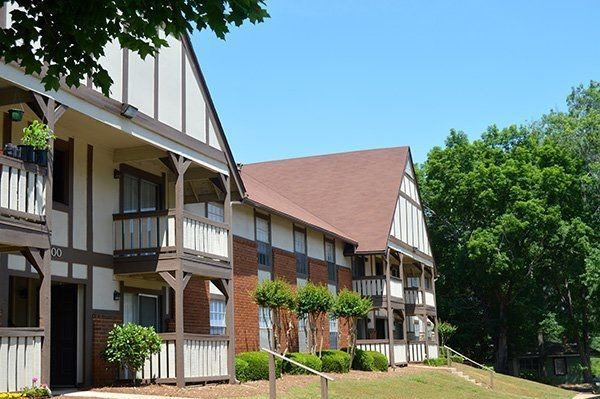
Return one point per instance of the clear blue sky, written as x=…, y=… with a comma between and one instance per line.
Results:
x=340, y=75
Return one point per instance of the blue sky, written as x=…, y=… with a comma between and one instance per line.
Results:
x=341, y=75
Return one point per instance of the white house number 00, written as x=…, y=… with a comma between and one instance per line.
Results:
x=56, y=252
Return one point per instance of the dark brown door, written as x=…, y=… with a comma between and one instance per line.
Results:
x=63, y=352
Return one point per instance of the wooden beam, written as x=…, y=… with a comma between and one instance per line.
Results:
x=14, y=95
x=229, y=310
x=390, y=314
x=179, y=330
x=35, y=258
x=139, y=153
x=168, y=277
x=195, y=173
x=222, y=286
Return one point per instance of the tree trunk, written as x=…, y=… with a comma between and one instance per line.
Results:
x=501, y=365
x=583, y=346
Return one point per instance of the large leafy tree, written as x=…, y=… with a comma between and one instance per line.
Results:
x=65, y=38
x=499, y=206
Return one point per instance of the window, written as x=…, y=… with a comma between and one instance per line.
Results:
x=300, y=251
x=333, y=333
x=560, y=366
x=413, y=282
x=263, y=242
x=529, y=363
x=215, y=211
x=330, y=259
x=140, y=193
x=61, y=173
x=428, y=283
x=217, y=316
x=358, y=266
x=142, y=309
x=265, y=326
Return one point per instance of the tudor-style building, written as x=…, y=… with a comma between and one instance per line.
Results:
x=114, y=230
x=350, y=220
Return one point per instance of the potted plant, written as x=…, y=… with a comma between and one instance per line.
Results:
x=34, y=145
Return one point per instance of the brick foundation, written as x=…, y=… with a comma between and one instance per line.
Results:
x=245, y=269
x=103, y=373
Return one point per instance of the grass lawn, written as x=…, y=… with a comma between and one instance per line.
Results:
x=404, y=383
x=429, y=385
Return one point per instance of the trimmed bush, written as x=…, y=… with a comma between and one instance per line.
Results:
x=241, y=370
x=258, y=365
x=305, y=359
x=380, y=361
x=457, y=359
x=440, y=361
x=335, y=361
x=362, y=360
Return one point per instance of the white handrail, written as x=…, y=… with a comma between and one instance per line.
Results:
x=272, y=387
x=491, y=370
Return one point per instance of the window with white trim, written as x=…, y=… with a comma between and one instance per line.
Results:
x=333, y=333
x=330, y=260
x=263, y=242
x=217, y=316
x=300, y=251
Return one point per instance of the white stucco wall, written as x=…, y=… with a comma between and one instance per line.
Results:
x=104, y=285
x=243, y=221
x=316, y=244
x=282, y=236
x=80, y=195
x=105, y=199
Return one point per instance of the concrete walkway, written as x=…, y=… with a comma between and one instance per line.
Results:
x=586, y=396
x=114, y=395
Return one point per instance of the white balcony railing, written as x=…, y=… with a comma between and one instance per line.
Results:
x=205, y=358
x=429, y=299
x=413, y=296
x=147, y=233
x=20, y=357
x=22, y=190
x=376, y=286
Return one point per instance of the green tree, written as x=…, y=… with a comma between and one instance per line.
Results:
x=277, y=297
x=69, y=36
x=351, y=306
x=128, y=346
x=446, y=330
x=315, y=302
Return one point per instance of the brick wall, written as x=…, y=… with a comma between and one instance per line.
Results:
x=284, y=267
x=344, y=281
x=196, y=311
x=103, y=374
x=245, y=269
x=317, y=272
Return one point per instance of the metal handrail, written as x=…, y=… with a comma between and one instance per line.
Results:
x=489, y=369
x=272, y=377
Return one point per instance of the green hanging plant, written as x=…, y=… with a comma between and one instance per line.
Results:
x=37, y=135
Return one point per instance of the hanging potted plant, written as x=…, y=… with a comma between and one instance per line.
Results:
x=34, y=145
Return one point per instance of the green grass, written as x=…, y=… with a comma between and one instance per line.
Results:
x=430, y=385
x=514, y=387
x=596, y=366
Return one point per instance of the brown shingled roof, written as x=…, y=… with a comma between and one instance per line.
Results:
x=353, y=193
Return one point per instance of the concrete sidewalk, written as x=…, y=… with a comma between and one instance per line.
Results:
x=113, y=395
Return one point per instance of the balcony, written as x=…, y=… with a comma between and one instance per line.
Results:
x=151, y=237
x=414, y=296
x=376, y=288
x=205, y=359
x=22, y=204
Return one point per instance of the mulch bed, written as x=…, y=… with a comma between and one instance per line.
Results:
x=251, y=388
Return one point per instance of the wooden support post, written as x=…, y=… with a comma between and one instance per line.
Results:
x=424, y=318
x=179, y=329
x=324, y=388
x=422, y=284
x=229, y=311
x=45, y=316
x=390, y=313
x=491, y=379
x=272, y=378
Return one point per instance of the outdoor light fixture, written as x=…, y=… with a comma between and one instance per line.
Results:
x=16, y=115
x=116, y=296
x=128, y=110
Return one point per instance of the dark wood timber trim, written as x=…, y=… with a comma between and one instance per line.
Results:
x=22, y=332
x=156, y=85
x=125, y=77
x=7, y=127
x=388, y=302
x=90, y=199
x=183, y=91
x=4, y=281
x=410, y=249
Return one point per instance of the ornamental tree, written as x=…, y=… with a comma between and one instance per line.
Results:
x=277, y=298
x=315, y=302
x=351, y=306
x=446, y=330
x=68, y=37
x=128, y=346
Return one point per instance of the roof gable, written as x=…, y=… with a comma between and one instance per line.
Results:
x=355, y=191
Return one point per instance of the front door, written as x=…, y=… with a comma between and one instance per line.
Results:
x=63, y=352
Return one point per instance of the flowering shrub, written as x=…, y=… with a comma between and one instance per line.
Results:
x=34, y=391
